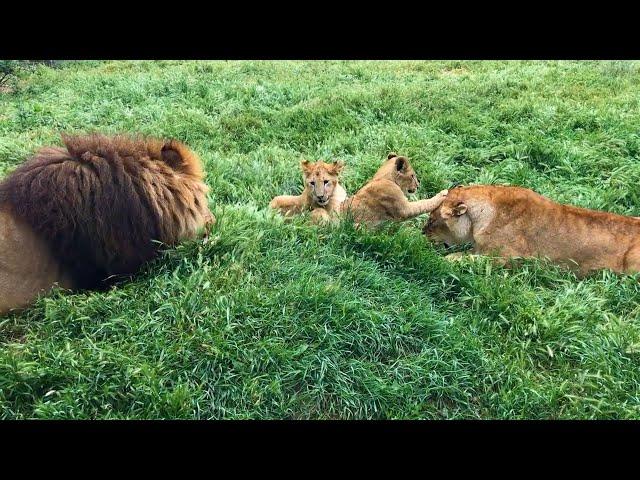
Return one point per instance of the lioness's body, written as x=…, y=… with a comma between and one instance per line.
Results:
x=384, y=198
x=322, y=194
x=518, y=222
x=97, y=208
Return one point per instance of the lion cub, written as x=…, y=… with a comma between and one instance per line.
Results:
x=518, y=222
x=384, y=197
x=322, y=192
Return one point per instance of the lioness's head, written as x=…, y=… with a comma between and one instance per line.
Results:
x=320, y=179
x=398, y=169
x=449, y=223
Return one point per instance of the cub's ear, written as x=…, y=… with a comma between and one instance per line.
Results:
x=304, y=165
x=172, y=154
x=391, y=155
x=337, y=167
x=401, y=164
x=459, y=209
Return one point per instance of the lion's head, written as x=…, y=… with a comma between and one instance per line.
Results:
x=449, y=223
x=320, y=180
x=103, y=203
x=398, y=169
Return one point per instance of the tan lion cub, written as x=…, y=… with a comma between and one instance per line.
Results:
x=518, y=222
x=384, y=196
x=322, y=192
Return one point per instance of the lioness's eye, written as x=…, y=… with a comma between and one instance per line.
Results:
x=313, y=184
x=326, y=181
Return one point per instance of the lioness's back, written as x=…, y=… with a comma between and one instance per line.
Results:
x=514, y=199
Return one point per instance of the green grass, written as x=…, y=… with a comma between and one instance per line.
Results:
x=268, y=319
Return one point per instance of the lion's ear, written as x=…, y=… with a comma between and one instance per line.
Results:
x=304, y=165
x=337, y=167
x=391, y=155
x=459, y=209
x=401, y=164
x=172, y=155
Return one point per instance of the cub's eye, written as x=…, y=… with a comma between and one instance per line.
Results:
x=313, y=184
x=326, y=181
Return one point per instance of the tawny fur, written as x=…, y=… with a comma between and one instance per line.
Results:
x=322, y=194
x=383, y=198
x=517, y=222
x=97, y=208
x=27, y=265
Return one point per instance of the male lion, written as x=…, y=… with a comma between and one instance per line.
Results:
x=518, y=222
x=94, y=209
x=384, y=196
x=322, y=192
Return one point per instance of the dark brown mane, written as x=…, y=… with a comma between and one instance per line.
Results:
x=101, y=201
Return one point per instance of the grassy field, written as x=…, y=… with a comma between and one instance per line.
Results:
x=268, y=319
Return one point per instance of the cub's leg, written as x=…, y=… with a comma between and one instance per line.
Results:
x=320, y=216
x=288, y=205
x=413, y=209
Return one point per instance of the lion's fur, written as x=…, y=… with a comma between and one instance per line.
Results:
x=518, y=222
x=102, y=203
x=27, y=265
x=384, y=198
x=321, y=180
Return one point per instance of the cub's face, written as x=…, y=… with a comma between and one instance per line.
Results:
x=449, y=224
x=403, y=174
x=321, y=179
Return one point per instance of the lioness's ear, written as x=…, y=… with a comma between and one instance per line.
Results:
x=459, y=209
x=337, y=167
x=391, y=155
x=401, y=164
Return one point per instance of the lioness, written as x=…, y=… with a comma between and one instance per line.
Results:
x=517, y=222
x=322, y=192
x=384, y=196
x=83, y=214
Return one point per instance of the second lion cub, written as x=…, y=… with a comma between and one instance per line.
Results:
x=384, y=196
